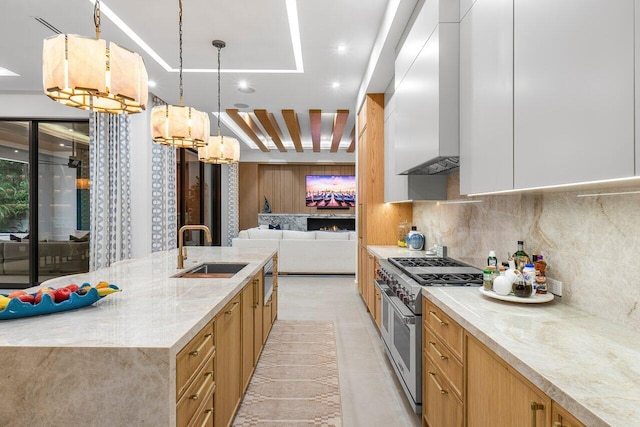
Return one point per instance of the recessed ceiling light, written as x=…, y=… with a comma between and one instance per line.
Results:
x=246, y=89
x=151, y=83
x=70, y=130
x=335, y=85
x=241, y=105
x=243, y=84
x=7, y=73
x=15, y=151
x=342, y=48
x=61, y=145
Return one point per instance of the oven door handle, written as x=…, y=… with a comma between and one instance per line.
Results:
x=407, y=320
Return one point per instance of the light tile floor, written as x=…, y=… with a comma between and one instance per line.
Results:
x=370, y=392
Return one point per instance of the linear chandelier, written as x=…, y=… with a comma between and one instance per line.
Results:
x=220, y=149
x=84, y=73
x=177, y=125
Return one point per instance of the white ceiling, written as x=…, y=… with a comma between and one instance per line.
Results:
x=257, y=33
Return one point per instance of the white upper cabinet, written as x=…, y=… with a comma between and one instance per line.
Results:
x=486, y=97
x=573, y=91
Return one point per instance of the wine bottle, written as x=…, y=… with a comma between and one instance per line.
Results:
x=521, y=258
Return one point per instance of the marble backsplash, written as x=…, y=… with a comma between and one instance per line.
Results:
x=591, y=244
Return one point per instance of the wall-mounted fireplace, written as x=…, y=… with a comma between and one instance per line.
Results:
x=331, y=224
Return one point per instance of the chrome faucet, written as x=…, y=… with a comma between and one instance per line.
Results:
x=182, y=250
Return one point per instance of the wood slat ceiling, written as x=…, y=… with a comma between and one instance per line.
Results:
x=262, y=126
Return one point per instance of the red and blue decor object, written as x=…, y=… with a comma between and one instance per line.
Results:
x=49, y=300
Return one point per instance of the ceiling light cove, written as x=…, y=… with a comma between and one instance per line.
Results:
x=7, y=73
x=294, y=30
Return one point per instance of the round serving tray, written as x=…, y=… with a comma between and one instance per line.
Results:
x=535, y=299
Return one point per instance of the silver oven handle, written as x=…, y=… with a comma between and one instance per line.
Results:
x=407, y=320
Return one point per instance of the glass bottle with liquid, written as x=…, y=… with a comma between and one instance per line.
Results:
x=520, y=257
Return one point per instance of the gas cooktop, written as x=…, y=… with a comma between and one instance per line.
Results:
x=435, y=271
x=463, y=279
x=426, y=262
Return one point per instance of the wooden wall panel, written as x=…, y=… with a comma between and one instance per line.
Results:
x=284, y=187
x=248, y=195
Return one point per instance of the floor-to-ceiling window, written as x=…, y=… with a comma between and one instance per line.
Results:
x=44, y=198
x=199, y=197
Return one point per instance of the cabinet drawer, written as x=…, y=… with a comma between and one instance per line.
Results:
x=563, y=418
x=192, y=356
x=441, y=407
x=205, y=417
x=199, y=390
x=444, y=360
x=443, y=327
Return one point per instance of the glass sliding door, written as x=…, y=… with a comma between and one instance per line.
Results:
x=63, y=198
x=44, y=198
x=199, y=196
x=14, y=204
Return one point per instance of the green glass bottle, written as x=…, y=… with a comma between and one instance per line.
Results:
x=520, y=257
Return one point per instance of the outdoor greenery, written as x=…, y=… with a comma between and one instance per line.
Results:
x=14, y=195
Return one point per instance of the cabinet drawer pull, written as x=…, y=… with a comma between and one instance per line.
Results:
x=433, y=377
x=535, y=407
x=197, y=351
x=197, y=394
x=235, y=304
x=442, y=356
x=442, y=322
x=255, y=294
x=209, y=413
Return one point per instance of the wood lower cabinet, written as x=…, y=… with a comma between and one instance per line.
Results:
x=247, y=307
x=442, y=369
x=563, y=418
x=228, y=327
x=195, y=382
x=441, y=405
x=464, y=383
x=496, y=395
x=258, y=336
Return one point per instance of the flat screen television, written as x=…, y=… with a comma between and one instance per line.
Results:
x=331, y=191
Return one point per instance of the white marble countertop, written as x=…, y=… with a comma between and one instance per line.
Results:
x=588, y=365
x=153, y=309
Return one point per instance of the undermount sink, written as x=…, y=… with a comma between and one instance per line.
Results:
x=214, y=270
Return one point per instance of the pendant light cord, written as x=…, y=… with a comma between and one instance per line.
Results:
x=219, y=133
x=96, y=18
x=180, y=33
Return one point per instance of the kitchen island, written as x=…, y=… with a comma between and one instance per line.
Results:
x=114, y=363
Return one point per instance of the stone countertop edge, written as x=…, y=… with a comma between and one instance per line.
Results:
x=148, y=313
x=562, y=375
x=391, y=251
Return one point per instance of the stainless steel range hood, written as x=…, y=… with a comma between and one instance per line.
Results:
x=436, y=166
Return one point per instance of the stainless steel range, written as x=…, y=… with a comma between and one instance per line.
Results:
x=400, y=283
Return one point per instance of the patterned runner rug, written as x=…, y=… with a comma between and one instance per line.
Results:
x=296, y=380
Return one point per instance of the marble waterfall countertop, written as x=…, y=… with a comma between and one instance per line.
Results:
x=588, y=365
x=113, y=363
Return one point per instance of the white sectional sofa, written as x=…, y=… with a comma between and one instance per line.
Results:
x=310, y=252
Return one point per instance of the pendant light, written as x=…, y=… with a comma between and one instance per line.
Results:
x=177, y=125
x=84, y=73
x=220, y=149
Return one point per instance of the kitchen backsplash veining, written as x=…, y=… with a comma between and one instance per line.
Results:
x=591, y=244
